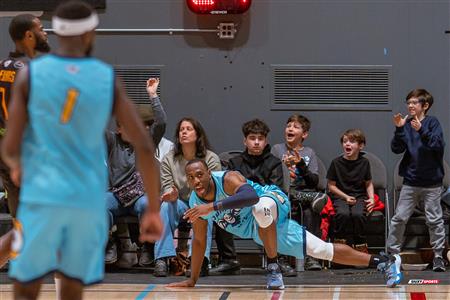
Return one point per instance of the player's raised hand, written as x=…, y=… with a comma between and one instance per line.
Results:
x=152, y=87
x=400, y=121
x=151, y=227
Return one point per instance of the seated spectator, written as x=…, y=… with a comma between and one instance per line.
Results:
x=126, y=195
x=304, y=178
x=190, y=142
x=256, y=163
x=351, y=190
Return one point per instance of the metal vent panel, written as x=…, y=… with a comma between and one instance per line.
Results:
x=331, y=87
x=135, y=77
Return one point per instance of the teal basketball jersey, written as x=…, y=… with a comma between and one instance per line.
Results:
x=291, y=236
x=63, y=151
x=240, y=221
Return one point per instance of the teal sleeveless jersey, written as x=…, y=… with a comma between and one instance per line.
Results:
x=63, y=150
x=291, y=236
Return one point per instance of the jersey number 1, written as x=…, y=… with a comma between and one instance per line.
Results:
x=69, y=104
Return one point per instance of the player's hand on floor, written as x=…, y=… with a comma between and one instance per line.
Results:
x=187, y=283
x=151, y=227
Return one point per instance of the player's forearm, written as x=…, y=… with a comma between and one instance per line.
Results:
x=245, y=196
x=198, y=250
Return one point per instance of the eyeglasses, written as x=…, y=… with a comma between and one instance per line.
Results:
x=413, y=102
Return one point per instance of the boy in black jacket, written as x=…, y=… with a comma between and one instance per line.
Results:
x=257, y=164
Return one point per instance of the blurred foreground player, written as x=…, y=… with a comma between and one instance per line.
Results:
x=55, y=148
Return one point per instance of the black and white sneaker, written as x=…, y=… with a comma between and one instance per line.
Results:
x=438, y=264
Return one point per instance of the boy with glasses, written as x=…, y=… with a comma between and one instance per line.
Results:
x=420, y=138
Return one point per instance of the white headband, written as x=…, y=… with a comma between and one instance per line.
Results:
x=67, y=27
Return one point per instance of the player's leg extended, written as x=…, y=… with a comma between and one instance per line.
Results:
x=344, y=254
x=5, y=247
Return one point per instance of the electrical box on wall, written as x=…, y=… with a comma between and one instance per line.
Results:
x=219, y=7
x=41, y=5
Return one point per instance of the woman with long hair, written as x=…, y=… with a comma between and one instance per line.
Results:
x=190, y=142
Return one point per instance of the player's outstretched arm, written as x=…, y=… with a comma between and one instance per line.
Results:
x=200, y=228
x=15, y=125
x=127, y=116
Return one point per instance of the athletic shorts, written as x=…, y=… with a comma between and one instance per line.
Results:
x=53, y=238
x=291, y=237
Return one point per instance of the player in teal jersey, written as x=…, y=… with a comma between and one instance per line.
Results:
x=249, y=210
x=56, y=151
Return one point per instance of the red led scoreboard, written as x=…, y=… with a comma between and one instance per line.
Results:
x=219, y=6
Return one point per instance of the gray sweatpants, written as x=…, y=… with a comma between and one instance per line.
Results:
x=410, y=196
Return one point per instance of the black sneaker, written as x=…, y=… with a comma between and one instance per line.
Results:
x=204, y=271
x=111, y=253
x=438, y=264
x=160, y=268
x=312, y=264
x=128, y=251
x=286, y=268
x=226, y=267
x=314, y=199
x=145, y=259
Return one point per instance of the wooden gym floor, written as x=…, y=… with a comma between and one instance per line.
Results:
x=326, y=284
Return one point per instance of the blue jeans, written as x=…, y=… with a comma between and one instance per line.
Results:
x=115, y=209
x=171, y=213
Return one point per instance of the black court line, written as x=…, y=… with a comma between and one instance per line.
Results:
x=224, y=296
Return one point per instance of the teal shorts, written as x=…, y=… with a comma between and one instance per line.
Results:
x=291, y=237
x=51, y=238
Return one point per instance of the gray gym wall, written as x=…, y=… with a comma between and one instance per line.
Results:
x=226, y=82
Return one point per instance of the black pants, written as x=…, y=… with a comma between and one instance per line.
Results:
x=225, y=244
x=311, y=221
x=350, y=221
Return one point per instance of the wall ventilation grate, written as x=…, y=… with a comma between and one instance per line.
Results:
x=134, y=77
x=331, y=87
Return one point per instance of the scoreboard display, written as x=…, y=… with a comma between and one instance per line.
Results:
x=219, y=7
